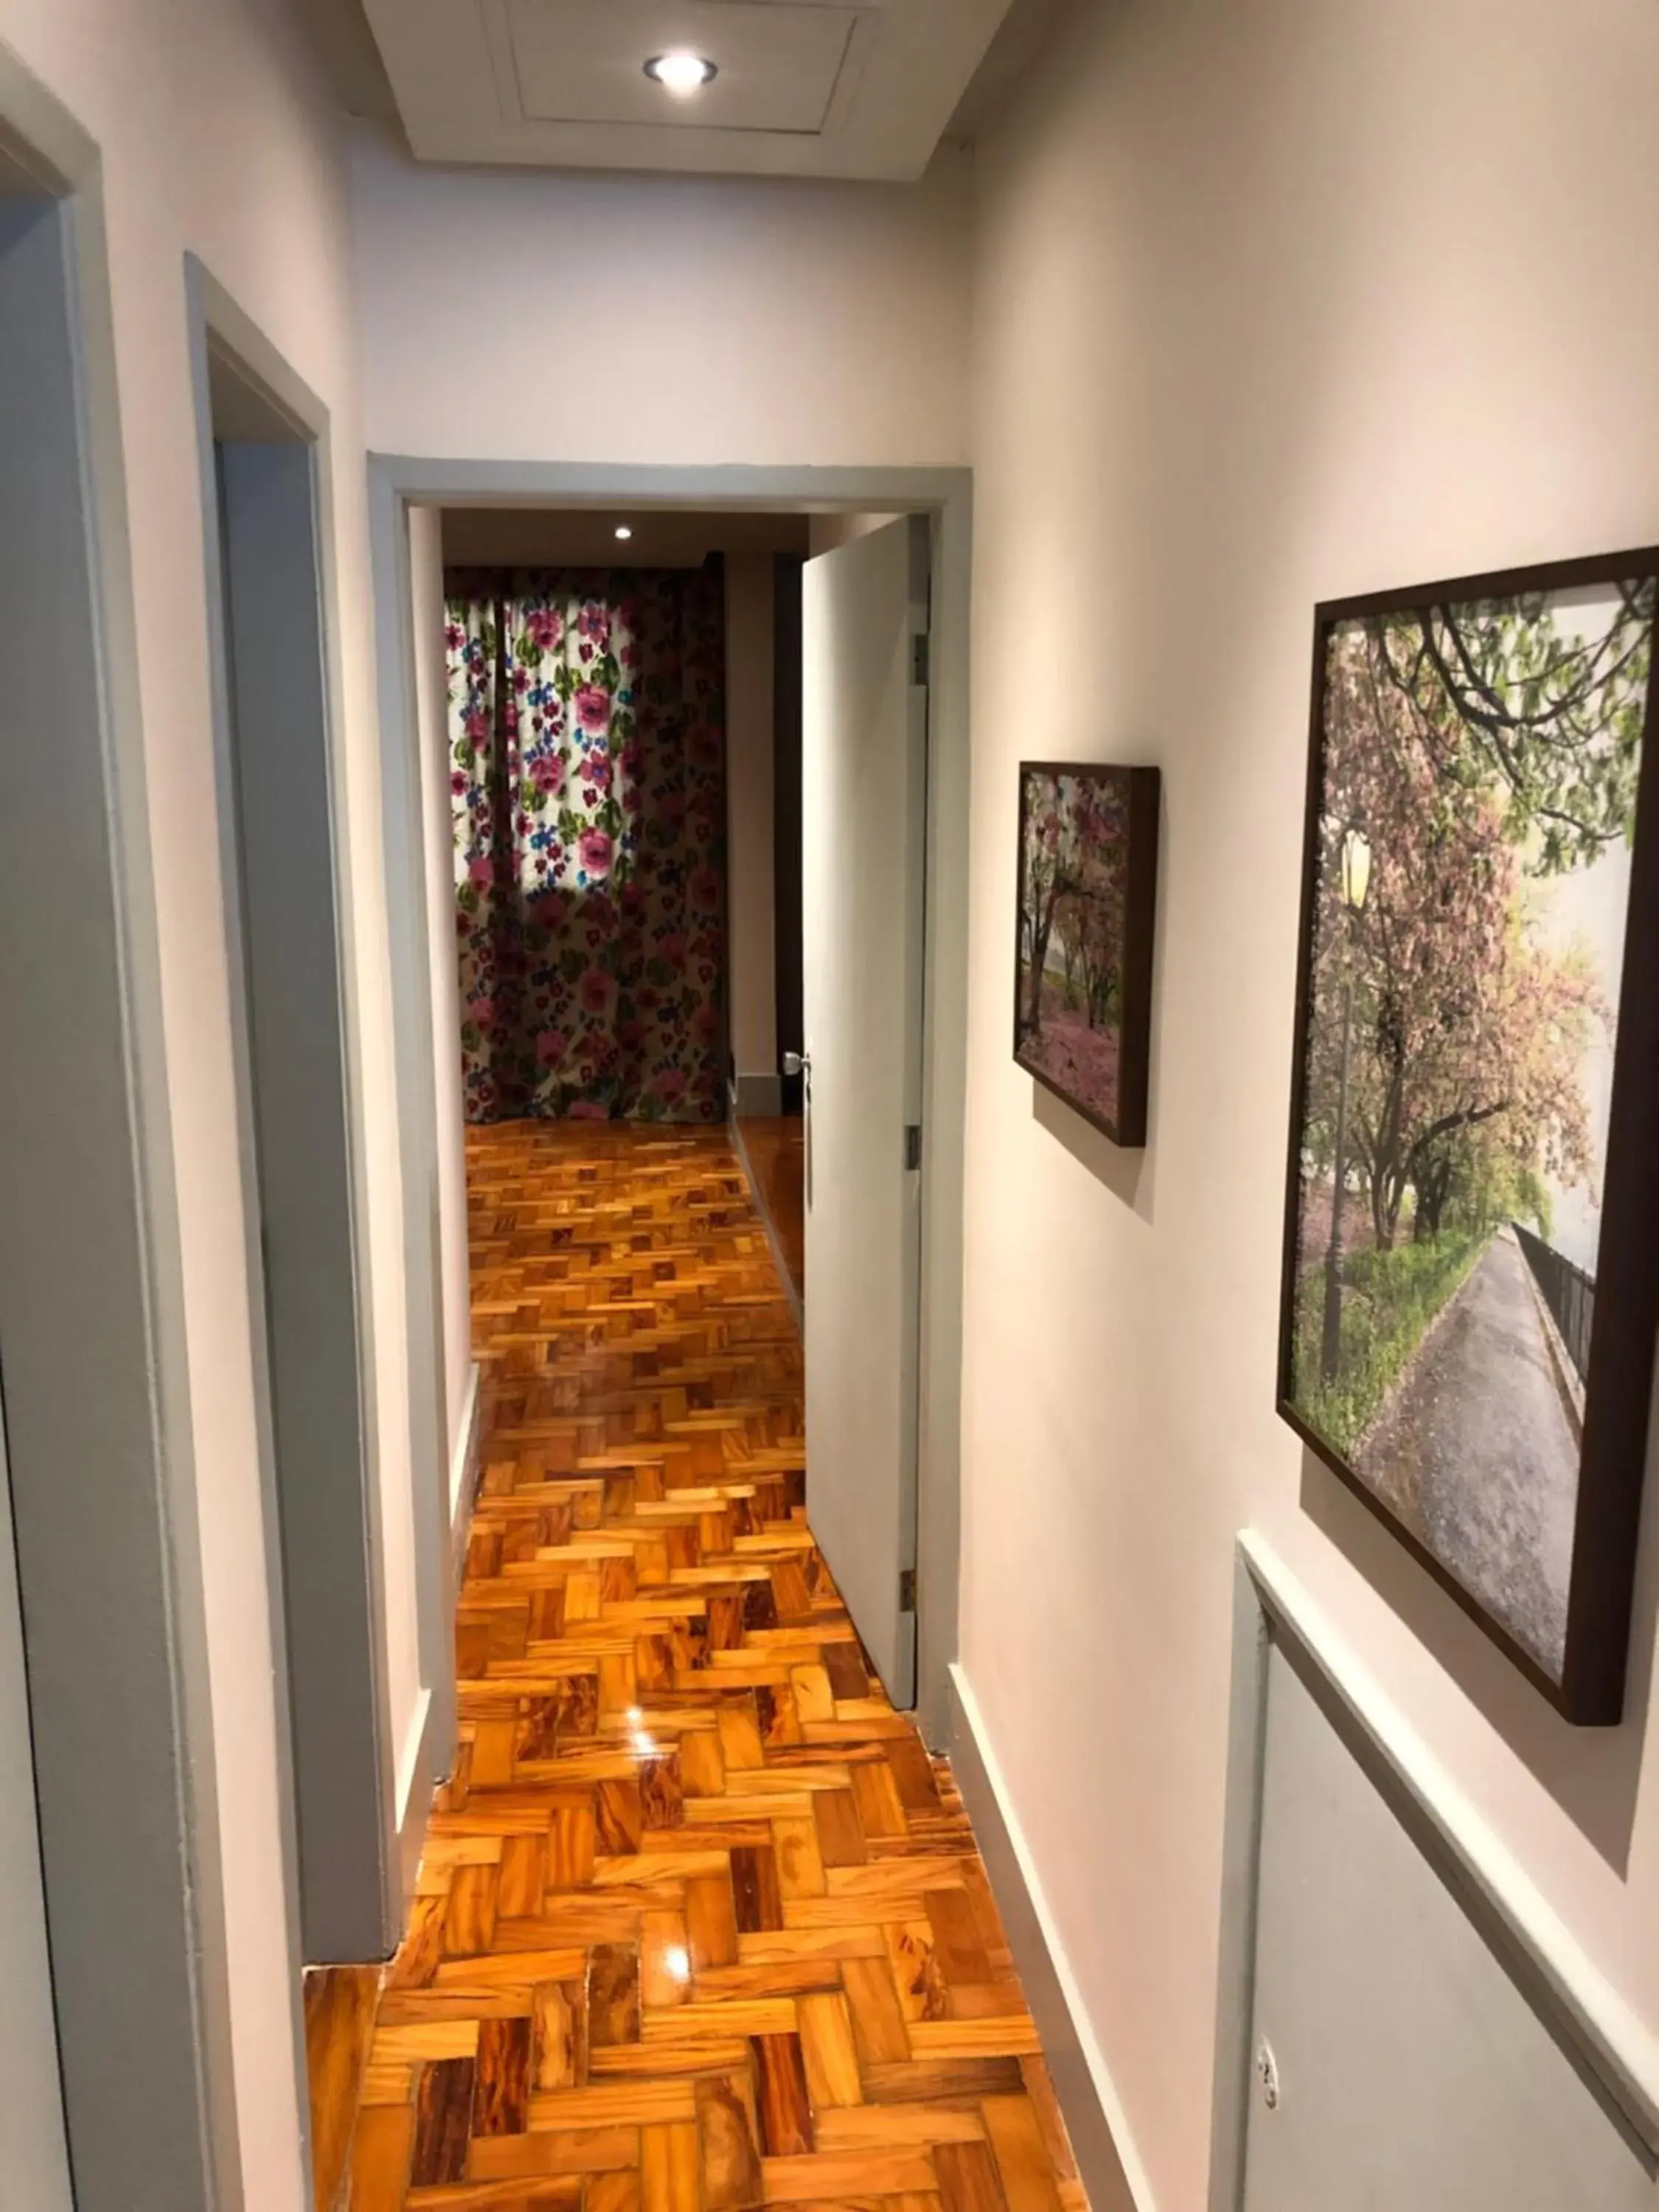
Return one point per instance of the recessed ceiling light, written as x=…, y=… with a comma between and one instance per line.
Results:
x=623, y=532
x=681, y=72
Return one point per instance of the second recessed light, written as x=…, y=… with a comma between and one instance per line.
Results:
x=681, y=72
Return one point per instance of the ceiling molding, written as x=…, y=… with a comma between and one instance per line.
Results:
x=847, y=89
x=339, y=35
x=1023, y=32
x=339, y=32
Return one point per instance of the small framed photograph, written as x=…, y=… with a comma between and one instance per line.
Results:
x=1471, y=1275
x=1083, y=965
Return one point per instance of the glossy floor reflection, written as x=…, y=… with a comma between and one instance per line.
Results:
x=700, y=1923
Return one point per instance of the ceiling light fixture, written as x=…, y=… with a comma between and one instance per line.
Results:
x=681, y=72
x=623, y=532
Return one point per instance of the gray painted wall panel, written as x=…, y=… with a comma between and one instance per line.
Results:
x=1413, y=2070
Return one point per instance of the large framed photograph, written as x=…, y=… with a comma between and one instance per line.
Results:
x=1471, y=1268
x=1083, y=958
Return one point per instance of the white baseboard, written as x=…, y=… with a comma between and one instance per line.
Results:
x=464, y=1470
x=425, y=1760
x=417, y=1776
x=756, y=1097
x=758, y=1196
x=1107, y=2162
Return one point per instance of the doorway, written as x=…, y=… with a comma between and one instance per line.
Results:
x=262, y=457
x=399, y=487
x=767, y=1086
x=682, y=629
x=865, y=669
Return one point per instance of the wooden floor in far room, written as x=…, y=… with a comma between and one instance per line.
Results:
x=700, y=1923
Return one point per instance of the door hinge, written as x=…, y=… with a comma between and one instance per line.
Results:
x=913, y=1147
x=908, y=1590
x=922, y=659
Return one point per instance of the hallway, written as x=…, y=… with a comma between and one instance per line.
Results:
x=700, y=1925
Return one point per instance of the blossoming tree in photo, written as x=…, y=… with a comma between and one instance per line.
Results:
x=1471, y=864
x=1072, y=934
x=1088, y=862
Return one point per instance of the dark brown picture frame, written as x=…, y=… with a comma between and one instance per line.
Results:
x=1142, y=788
x=1620, y=1361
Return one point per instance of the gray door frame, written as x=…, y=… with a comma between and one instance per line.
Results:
x=91, y=1286
x=34, y=2126
x=263, y=443
x=396, y=482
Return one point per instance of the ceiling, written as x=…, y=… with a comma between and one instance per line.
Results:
x=586, y=537
x=855, y=88
x=15, y=182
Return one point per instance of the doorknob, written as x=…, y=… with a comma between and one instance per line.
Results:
x=797, y=1063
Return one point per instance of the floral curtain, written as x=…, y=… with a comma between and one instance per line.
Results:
x=587, y=758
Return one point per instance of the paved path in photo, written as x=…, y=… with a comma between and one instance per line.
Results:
x=1476, y=1453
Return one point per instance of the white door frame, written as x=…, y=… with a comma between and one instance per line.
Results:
x=398, y=482
x=92, y=1310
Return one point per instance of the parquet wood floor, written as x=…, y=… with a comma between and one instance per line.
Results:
x=700, y=1926
x=339, y=2004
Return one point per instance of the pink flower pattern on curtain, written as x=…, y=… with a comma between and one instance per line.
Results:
x=587, y=772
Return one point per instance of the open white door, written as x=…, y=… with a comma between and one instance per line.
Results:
x=864, y=808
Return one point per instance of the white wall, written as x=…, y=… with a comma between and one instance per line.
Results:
x=426, y=564
x=217, y=137
x=541, y=316
x=750, y=912
x=1275, y=300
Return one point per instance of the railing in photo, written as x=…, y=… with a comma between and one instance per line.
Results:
x=1569, y=1293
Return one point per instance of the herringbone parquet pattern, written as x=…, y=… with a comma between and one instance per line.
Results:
x=700, y=1924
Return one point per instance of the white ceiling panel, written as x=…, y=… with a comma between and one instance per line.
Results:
x=805, y=88
x=579, y=60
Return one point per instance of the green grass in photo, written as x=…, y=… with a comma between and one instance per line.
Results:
x=1389, y=1301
